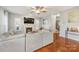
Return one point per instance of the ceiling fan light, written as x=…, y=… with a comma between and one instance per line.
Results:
x=44, y=10
x=39, y=9
x=38, y=12
x=34, y=10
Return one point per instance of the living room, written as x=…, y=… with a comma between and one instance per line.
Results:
x=30, y=28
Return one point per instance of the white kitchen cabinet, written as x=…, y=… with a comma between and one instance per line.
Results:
x=47, y=38
x=33, y=42
x=13, y=45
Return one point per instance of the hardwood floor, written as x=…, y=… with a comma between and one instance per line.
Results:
x=61, y=45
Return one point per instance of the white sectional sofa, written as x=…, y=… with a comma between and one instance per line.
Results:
x=12, y=43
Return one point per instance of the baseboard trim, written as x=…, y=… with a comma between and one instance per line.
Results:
x=69, y=39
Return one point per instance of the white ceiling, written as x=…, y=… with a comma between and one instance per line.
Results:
x=24, y=10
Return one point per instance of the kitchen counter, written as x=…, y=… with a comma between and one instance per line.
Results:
x=38, y=40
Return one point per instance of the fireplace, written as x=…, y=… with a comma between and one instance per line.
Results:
x=28, y=29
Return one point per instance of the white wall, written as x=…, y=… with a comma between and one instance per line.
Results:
x=53, y=22
x=14, y=21
x=11, y=19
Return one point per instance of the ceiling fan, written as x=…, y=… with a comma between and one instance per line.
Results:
x=39, y=9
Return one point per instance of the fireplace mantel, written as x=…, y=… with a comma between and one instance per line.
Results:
x=28, y=29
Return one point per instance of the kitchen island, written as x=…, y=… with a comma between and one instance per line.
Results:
x=38, y=40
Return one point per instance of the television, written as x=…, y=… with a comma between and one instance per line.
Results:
x=28, y=20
